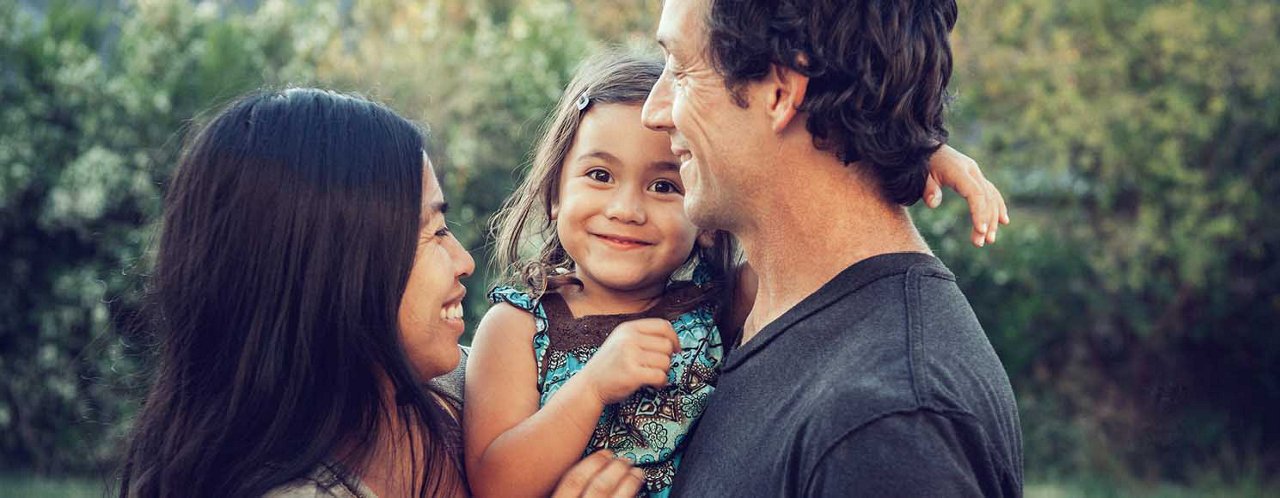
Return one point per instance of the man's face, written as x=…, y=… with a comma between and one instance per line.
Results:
x=714, y=138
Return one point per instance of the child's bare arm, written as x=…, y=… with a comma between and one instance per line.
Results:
x=949, y=168
x=515, y=449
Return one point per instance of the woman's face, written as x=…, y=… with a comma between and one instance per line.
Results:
x=431, y=307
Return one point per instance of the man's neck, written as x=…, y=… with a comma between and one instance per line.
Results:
x=827, y=219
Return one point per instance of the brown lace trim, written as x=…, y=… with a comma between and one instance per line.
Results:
x=567, y=333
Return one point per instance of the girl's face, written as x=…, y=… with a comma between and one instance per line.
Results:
x=620, y=214
x=431, y=307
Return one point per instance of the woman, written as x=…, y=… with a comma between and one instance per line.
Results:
x=306, y=286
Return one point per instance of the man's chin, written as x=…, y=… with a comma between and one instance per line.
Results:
x=701, y=213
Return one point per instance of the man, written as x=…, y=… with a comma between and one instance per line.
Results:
x=803, y=128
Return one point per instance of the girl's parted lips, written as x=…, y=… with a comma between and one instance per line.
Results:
x=622, y=239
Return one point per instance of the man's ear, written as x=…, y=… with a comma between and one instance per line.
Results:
x=786, y=89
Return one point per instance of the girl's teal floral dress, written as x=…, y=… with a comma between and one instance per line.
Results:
x=651, y=426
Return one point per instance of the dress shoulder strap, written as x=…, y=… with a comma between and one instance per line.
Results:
x=514, y=297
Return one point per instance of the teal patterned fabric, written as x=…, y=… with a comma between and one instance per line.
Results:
x=651, y=426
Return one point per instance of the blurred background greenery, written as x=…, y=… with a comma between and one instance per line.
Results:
x=1134, y=300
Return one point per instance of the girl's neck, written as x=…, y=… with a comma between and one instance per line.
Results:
x=591, y=298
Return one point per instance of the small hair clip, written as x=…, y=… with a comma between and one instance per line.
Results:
x=583, y=101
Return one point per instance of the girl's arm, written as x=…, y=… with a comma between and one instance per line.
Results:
x=512, y=447
x=949, y=168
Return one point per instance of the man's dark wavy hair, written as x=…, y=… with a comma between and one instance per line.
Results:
x=878, y=72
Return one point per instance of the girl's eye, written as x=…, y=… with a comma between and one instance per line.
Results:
x=443, y=231
x=599, y=175
x=665, y=187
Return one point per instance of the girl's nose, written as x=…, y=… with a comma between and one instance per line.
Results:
x=626, y=207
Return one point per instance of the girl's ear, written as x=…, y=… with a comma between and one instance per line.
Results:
x=706, y=238
x=555, y=210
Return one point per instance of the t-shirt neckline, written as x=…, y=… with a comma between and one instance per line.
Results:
x=848, y=281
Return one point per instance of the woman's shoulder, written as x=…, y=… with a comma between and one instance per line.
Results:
x=323, y=482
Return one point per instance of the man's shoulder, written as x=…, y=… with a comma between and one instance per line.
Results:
x=920, y=348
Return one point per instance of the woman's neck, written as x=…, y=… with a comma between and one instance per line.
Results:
x=393, y=464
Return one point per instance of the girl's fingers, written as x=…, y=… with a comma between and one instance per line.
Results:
x=654, y=377
x=1004, y=209
x=994, y=224
x=972, y=187
x=932, y=192
x=662, y=329
x=657, y=344
x=659, y=361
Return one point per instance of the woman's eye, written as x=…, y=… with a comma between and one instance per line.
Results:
x=443, y=231
x=665, y=187
x=599, y=175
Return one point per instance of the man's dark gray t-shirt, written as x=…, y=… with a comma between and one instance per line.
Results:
x=881, y=383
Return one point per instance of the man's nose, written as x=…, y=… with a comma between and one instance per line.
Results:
x=656, y=113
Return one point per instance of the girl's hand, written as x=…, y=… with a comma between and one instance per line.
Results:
x=949, y=168
x=636, y=354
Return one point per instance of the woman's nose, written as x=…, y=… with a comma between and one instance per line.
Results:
x=464, y=264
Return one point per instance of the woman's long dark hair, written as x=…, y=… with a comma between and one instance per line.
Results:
x=288, y=236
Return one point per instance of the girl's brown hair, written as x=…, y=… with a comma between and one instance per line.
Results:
x=524, y=222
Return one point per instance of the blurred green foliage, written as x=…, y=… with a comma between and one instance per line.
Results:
x=1133, y=300
x=92, y=105
x=1137, y=293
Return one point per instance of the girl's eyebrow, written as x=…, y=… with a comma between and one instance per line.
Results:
x=600, y=154
x=665, y=166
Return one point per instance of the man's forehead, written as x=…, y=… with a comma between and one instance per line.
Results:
x=679, y=22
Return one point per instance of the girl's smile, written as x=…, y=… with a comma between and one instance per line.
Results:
x=622, y=242
x=620, y=209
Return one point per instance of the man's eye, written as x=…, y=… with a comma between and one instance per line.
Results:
x=599, y=175
x=665, y=187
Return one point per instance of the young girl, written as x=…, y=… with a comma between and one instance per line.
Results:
x=606, y=345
